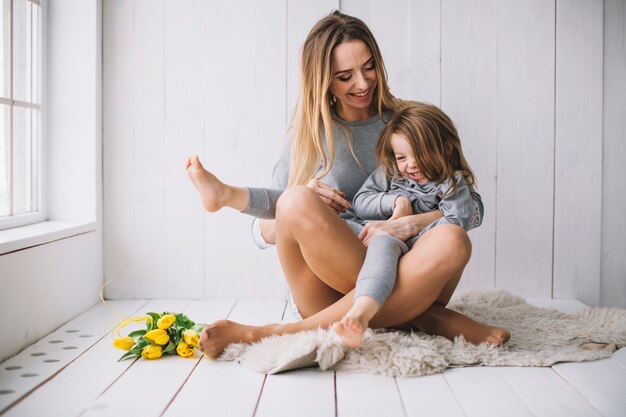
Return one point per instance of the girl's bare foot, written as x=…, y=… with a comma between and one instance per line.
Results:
x=357, y=319
x=351, y=331
x=215, y=337
x=213, y=192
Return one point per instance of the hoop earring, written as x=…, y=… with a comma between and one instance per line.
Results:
x=333, y=99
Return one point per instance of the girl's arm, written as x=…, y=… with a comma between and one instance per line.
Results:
x=463, y=207
x=372, y=201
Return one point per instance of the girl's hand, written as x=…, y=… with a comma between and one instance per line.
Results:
x=402, y=207
x=333, y=198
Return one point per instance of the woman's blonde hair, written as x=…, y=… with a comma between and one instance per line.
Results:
x=313, y=112
x=434, y=140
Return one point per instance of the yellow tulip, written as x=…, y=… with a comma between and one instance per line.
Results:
x=191, y=337
x=165, y=321
x=158, y=336
x=184, y=350
x=124, y=343
x=152, y=352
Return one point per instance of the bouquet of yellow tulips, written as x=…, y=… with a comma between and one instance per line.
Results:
x=165, y=334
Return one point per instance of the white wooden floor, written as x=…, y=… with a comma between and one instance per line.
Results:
x=74, y=372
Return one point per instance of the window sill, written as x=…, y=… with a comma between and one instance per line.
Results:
x=25, y=237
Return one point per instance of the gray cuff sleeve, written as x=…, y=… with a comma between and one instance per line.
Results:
x=387, y=204
x=257, y=236
x=262, y=203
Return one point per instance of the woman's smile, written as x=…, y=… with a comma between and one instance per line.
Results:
x=354, y=80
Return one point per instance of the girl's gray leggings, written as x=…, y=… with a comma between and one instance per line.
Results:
x=378, y=274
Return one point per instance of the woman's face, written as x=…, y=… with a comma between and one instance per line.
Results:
x=353, y=80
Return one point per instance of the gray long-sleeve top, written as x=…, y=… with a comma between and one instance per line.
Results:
x=346, y=174
x=375, y=200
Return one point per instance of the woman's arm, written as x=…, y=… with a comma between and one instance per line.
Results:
x=402, y=228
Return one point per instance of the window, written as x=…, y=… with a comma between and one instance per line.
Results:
x=20, y=113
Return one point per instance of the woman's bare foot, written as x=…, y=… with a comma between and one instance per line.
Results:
x=351, y=331
x=215, y=337
x=482, y=333
x=441, y=321
x=213, y=192
x=497, y=336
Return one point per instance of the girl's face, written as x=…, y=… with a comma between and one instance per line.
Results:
x=353, y=80
x=405, y=160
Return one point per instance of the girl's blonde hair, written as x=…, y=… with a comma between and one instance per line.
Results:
x=434, y=140
x=313, y=112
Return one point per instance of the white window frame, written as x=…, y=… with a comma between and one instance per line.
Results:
x=37, y=155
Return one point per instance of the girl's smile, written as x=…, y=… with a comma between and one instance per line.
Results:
x=405, y=159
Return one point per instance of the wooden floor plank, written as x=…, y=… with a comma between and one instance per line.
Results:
x=300, y=387
x=258, y=312
x=545, y=393
x=428, y=395
x=482, y=392
x=363, y=395
x=146, y=386
x=620, y=356
x=601, y=382
x=226, y=388
x=37, y=363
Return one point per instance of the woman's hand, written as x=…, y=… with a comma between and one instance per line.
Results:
x=398, y=228
x=333, y=198
x=403, y=228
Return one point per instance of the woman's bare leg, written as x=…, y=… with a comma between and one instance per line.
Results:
x=314, y=242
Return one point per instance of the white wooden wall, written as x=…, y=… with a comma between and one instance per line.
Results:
x=526, y=82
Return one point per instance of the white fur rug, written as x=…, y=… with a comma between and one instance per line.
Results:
x=539, y=337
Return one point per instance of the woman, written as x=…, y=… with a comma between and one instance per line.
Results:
x=344, y=100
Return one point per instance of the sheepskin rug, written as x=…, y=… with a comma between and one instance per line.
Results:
x=539, y=337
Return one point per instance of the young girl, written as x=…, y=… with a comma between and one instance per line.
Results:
x=422, y=169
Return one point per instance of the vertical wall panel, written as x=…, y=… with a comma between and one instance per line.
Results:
x=578, y=150
x=220, y=79
x=613, y=283
x=118, y=148
x=245, y=128
x=469, y=81
x=149, y=160
x=525, y=147
x=424, y=52
x=185, y=35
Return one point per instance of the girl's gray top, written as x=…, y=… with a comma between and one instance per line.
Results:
x=346, y=175
x=376, y=199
